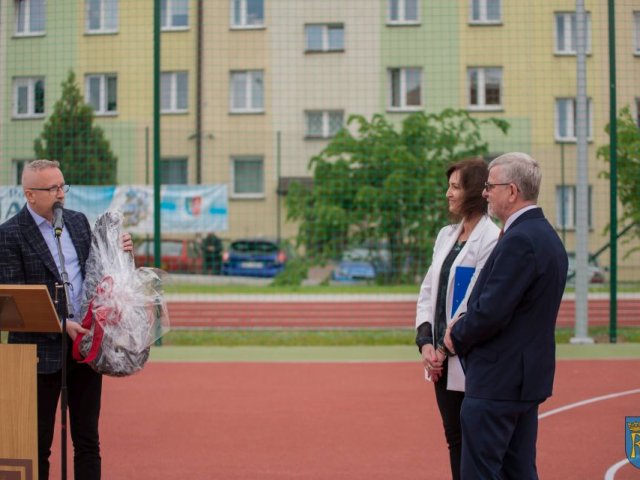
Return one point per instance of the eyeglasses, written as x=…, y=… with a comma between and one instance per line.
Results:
x=53, y=189
x=489, y=186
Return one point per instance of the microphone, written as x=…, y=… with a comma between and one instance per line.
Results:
x=58, y=222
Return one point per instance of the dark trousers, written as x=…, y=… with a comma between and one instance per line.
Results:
x=499, y=439
x=84, y=388
x=449, y=404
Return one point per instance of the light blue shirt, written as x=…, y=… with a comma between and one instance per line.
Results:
x=71, y=261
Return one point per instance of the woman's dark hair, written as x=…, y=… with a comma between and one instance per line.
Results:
x=474, y=172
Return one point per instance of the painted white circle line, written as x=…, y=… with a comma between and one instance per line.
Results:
x=587, y=402
x=611, y=473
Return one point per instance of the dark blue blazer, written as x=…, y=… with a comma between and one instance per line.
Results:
x=26, y=259
x=506, y=339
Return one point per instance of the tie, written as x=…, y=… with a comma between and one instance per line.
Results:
x=500, y=234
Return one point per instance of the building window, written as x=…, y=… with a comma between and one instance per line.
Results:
x=174, y=92
x=248, y=177
x=485, y=88
x=323, y=123
x=405, y=88
x=174, y=14
x=102, y=16
x=28, y=97
x=485, y=11
x=18, y=168
x=324, y=38
x=247, y=91
x=636, y=31
x=30, y=17
x=566, y=119
x=247, y=13
x=101, y=92
x=566, y=207
x=567, y=33
x=638, y=111
x=404, y=12
x=174, y=171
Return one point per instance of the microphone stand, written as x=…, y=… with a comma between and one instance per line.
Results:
x=63, y=383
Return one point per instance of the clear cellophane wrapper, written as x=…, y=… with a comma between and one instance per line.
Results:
x=123, y=307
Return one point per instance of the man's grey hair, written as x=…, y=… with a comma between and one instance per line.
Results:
x=39, y=165
x=521, y=169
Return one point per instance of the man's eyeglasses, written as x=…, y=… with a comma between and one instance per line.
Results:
x=54, y=189
x=489, y=186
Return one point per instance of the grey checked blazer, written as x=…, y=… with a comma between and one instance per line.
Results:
x=26, y=259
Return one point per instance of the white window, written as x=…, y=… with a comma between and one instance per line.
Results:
x=101, y=92
x=174, y=14
x=485, y=11
x=174, y=171
x=174, y=92
x=485, y=88
x=247, y=91
x=102, y=16
x=566, y=119
x=247, y=13
x=636, y=31
x=324, y=38
x=30, y=17
x=404, y=12
x=323, y=123
x=566, y=207
x=248, y=177
x=405, y=88
x=28, y=97
x=567, y=33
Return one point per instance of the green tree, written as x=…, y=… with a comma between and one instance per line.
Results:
x=628, y=169
x=70, y=137
x=382, y=185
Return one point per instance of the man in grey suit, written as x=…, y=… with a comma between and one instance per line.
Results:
x=506, y=339
x=30, y=256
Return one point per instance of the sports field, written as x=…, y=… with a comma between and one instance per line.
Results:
x=341, y=413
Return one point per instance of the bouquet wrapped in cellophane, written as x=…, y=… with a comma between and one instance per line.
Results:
x=123, y=307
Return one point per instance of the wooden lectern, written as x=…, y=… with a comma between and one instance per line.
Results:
x=23, y=308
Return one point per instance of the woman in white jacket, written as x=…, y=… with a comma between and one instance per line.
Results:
x=459, y=254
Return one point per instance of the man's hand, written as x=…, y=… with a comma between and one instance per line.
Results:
x=431, y=362
x=73, y=329
x=447, y=339
x=127, y=242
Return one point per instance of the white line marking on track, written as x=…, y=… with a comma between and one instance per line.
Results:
x=587, y=402
x=611, y=473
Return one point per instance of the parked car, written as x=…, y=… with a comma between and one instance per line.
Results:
x=596, y=273
x=362, y=264
x=179, y=256
x=255, y=257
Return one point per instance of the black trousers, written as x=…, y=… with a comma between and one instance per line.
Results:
x=84, y=388
x=449, y=404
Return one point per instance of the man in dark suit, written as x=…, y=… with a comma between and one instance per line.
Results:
x=506, y=339
x=30, y=256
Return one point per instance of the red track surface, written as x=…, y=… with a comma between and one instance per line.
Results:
x=354, y=314
x=351, y=421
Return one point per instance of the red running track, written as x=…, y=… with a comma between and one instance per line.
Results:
x=341, y=421
x=350, y=314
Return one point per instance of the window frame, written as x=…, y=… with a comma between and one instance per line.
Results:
x=235, y=159
x=483, y=9
x=103, y=18
x=402, y=12
x=571, y=49
x=168, y=26
x=174, y=99
x=636, y=32
x=248, y=93
x=181, y=161
x=326, y=28
x=571, y=211
x=28, y=32
x=326, y=123
x=242, y=25
x=571, y=120
x=482, y=106
x=30, y=83
x=403, y=90
x=103, y=110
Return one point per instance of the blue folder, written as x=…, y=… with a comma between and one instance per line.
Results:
x=461, y=281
